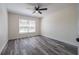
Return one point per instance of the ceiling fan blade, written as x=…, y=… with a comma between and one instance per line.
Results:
x=38, y=6
x=34, y=12
x=43, y=9
x=35, y=7
x=40, y=12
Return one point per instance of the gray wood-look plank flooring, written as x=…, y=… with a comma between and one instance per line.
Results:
x=39, y=45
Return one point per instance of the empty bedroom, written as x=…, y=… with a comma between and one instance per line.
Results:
x=39, y=28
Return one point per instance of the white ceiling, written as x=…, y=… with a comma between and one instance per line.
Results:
x=27, y=8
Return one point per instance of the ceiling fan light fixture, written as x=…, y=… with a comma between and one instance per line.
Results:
x=38, y=9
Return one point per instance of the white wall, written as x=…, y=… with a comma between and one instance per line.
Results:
x=77, y=20
x=61, y=25
x=14, y=26
x=3, y=27
x=78, y=24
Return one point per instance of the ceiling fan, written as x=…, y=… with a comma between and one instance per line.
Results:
x=38, y=9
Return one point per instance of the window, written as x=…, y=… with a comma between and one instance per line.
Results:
x=27, y=26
